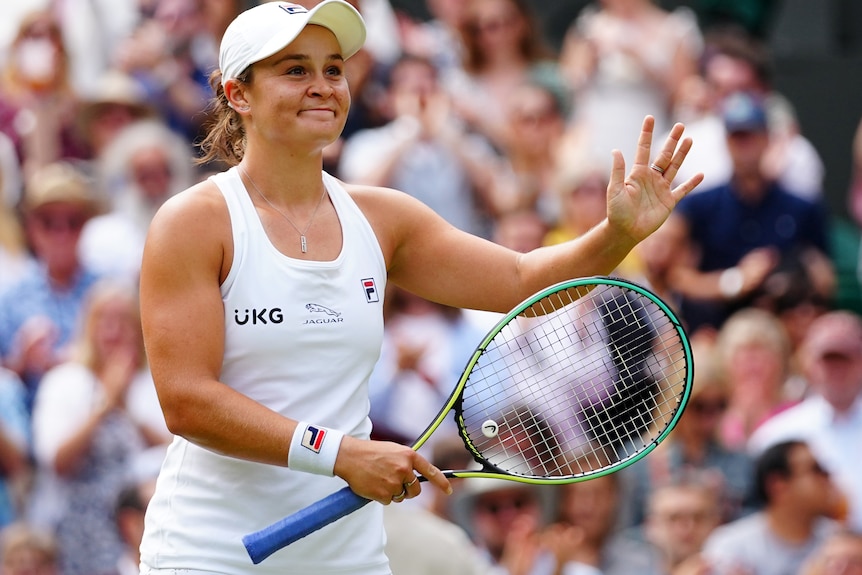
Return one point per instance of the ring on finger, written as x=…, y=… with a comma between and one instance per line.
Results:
x=410, y=484
x=400, y=497
x=657, y=169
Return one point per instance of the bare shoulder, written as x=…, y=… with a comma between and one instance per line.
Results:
x=193, y=225
x=200, y=205
x=387, y=206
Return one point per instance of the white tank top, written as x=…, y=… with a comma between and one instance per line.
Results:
x=301, y=337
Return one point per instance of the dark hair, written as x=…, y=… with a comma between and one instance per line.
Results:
x=737, y=44
x=774, y=461
x=129, y=497
x=225, y=138
x=532, y=46
x=407, y=59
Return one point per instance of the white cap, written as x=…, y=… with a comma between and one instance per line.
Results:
x=260, y=32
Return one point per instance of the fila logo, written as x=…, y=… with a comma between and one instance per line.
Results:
x=371, y=294
x=292, y=8
x=313, y=438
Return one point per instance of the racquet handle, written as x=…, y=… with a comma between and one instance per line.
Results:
x=261, y=544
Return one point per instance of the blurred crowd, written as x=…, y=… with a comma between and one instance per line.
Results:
x=506, y=135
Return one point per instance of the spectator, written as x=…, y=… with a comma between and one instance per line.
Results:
x=423, y=150
x=532, y=146
x=755, y=351
x=504, y=519
x=448, y=453
x=625, y=60
x=92, y=32
x=830, y=417
x=28, y=551
x=503, y=49
x=129, y=511
x=366, y=73
x=143, y=167
x=659, y=255
x=118, y=101
x=598, y=544
x=421, y=543
x=735, y=62
x=694, y=449
x=39, y=313
x=680, y=516
x=797, y=495
x=171, y=54
x=93, y=415
x=519, y=230
x=840, y=554
x=38, y=106
x=439, y=38
x=744, y=228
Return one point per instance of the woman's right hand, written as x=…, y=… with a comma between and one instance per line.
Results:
x=381, y=470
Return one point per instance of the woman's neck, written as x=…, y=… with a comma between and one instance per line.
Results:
x=285, y=178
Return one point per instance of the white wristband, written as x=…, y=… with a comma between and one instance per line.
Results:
x=314, y=448
x=730, y=282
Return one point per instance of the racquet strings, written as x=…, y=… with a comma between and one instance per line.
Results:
x=584, y=379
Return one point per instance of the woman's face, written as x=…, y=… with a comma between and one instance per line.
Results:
x=497, y=24
x=300, y=95
x=151, y=171
x=116, y=327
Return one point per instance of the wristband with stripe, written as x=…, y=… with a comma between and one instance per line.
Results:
x=314, y=448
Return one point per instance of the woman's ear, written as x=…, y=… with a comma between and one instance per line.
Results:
x=235, y=93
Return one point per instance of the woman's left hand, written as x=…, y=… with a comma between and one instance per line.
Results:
x=639, y=203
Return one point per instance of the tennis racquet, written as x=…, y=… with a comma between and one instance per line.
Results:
x=578, y=381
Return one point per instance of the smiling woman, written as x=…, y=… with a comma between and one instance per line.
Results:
x=273, y=415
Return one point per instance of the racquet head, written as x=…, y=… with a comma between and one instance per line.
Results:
x=581, y=379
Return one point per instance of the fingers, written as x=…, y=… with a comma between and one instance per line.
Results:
x=434, y=476
x=671, y=156
x=672, y=152
x=684, y=188
x=411, y=486
x=642, y=153
x=618, y=172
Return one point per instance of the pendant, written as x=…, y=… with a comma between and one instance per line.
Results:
x=303, y=246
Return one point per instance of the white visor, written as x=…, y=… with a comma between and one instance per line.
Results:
x=260, y=32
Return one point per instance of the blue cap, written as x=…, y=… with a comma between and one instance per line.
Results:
x=744, y=112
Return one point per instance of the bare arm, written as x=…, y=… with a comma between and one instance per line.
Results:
x=434, y=260
x=183, y=324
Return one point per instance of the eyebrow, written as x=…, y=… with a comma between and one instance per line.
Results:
x=306, y=57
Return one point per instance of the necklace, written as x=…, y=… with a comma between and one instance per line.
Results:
x=303, y=245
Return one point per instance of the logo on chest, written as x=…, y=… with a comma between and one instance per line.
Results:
x=322, y=314
x=255, y=316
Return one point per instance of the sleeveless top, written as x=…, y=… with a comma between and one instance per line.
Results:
x=302, y=338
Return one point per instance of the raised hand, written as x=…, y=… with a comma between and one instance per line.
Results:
x=640, y=202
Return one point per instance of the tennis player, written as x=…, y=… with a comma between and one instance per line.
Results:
x=261, y=299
